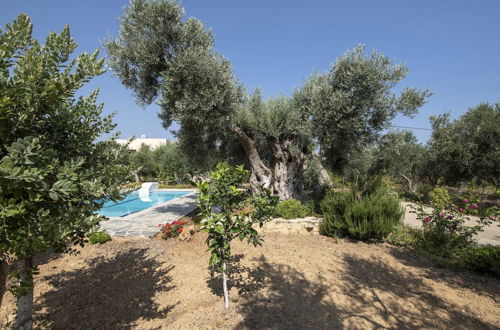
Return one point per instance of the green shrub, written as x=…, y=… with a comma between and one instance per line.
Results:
x=313, y=205
x=373, y=215
x=291, y=209
x=448, y=238
x=440, y=198
x=403, y=235
x=99, y=237
x=484, y=259
x=423, y=193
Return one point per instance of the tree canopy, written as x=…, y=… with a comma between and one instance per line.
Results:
x=54, y=173
x=399, y=155
x=468, y=147
x=335, y=112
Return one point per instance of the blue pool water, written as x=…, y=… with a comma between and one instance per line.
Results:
x=133, y=203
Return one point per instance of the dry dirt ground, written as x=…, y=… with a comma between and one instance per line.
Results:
x=292, y=282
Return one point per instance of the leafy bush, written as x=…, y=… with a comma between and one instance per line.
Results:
x=440, y=198
x=445, y=235
x=291, y=209
x=373, y=215
x=403, y=235
x=99, y=237
x=423, y=192
x=313, y=205
x=484, y=259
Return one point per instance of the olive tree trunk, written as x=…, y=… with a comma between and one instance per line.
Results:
x=288, y=169
x=25, y=303
x=286, y=176
x=261, y=175
x=412, y=186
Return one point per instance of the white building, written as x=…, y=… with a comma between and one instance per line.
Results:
x=138, y=142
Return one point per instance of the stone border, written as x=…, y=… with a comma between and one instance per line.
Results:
x=301, y=226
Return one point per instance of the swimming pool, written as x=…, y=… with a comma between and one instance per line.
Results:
x=133, y=203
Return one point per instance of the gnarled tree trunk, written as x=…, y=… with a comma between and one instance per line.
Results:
x=285, y=178
x=288, y=169
x=412, y=186
x=261, y=175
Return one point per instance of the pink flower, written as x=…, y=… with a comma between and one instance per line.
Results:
x=442, y=215
x=492, y=218
x=471, y=207
x=460, y=210
x=475, y=206
x=427, y=219
x=466, y=200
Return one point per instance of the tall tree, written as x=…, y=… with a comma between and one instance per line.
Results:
x=468, y=147
x=53, y=171
x=352, y=103
x=399, y=155
x=164, y=58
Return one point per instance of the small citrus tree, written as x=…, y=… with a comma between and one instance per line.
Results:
x=237, y=210
x=53, y=171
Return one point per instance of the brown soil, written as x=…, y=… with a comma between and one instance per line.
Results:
x=292, y=282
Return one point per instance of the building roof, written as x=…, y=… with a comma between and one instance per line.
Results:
x=137, y=143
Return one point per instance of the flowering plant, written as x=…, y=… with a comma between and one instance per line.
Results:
x=446, y=230
x=474, y=203
x=171, y=229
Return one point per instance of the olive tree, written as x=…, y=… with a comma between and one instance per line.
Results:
x=399, y=155
x=467, y=148
x=355, y=100
x=172, y=61
x=53, y=169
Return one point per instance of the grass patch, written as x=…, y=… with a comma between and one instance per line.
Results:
x=99, y=237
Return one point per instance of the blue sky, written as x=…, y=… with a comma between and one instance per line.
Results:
x=450, y=46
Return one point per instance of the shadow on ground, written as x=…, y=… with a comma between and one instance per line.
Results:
x=107, y=294
x=367, y=295
x=244, y=279
x=455, y=278
x=388, y=297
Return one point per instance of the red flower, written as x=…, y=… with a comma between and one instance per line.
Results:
x=167, y=225
x=179, y=229
x=460, y=210
x=427, y=219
